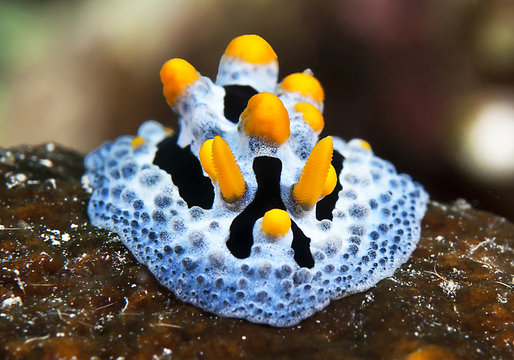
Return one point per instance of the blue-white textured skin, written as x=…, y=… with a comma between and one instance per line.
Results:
x=375, y=226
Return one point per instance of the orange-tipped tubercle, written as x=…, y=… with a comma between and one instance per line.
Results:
x=312, y=182
x=311, y=115
x=305, y=84
x=229, y=176
x=176, y=75
x=206, y=159
x=252, y=49
x=266, y=117
x=330, y=182
x=276, y=222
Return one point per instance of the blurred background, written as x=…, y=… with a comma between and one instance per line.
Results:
x=429, y=84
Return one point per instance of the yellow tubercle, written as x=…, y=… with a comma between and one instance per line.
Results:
x=330, y=182
x=312, y=182
x=305, y=84
x=169, y=131
x=137, y=141
x=265, y=116
x=365, y=145
x=206, y=159
x=276, y=222
x=176, y=74
x=252, y=49
x=230, y=179
x=311, y=115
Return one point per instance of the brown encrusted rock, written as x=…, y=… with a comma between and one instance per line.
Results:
x=68, y=289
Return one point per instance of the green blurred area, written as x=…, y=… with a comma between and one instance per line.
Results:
x=25, y=33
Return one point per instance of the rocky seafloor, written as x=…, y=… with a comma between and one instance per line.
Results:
x=69, y=290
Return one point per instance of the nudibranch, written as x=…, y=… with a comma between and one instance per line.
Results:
x=244, y=212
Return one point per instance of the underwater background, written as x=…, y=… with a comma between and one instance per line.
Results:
x=429, y=84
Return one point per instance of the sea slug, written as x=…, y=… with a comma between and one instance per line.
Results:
x=244, y=212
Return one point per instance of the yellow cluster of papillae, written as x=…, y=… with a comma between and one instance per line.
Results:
x=318, y=177
x=219, y=163
x=266, y=118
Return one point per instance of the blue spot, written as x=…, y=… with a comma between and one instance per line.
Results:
x=158, y=217
x=128, y=196
x=162, y=201
x=355, y=240
x=373, y=204
x=116, y=191
x=385, y=198
x=128, y=171
x=374, y=235
x=149, y=179
x=145, y=218
x=188, y=264
x=383, y=228
x=178, y=226
x=356, y=229
x=138, y=205
x=115, y=174
x=353, y=249
x=350, y=194
x=357, y=211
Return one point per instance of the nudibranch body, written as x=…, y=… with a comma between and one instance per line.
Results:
x=244, y=213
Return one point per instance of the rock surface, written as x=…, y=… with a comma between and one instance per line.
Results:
x=68, y=289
